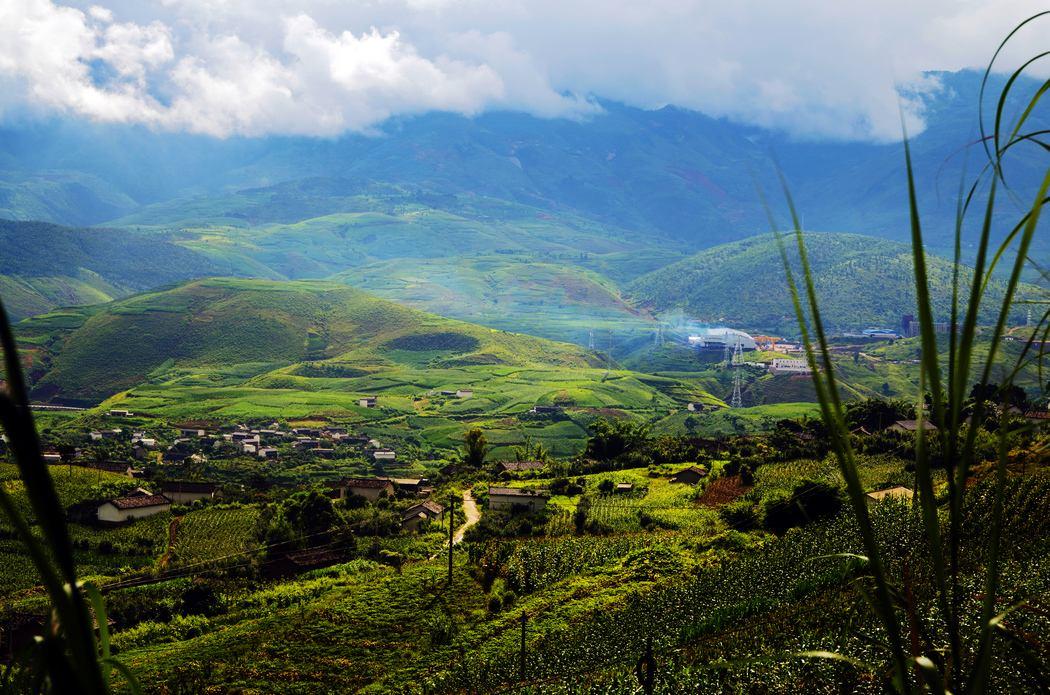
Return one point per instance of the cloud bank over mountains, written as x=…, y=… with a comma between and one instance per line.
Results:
x=320, y=68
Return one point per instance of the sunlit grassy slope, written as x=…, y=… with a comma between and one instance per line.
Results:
x=860, y=280
x=549, y=298
x=222, y=323
x=229, y=350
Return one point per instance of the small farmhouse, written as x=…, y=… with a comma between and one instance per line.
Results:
x=123, y=509
x=623, y=488
x=184, y=492
x=464, y=393
x=384, y=455
x=409, y=486
x=417, y=514
x=369, y=488
x=912, y=426
x=521, y=466
x=369, y=402
x=510, y=499
x=896, y=493
x=690, y=476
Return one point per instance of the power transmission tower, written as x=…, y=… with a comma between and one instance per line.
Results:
x=726, y=355
x=590, y=340
x=737, y=401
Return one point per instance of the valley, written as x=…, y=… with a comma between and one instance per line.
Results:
x=471, y=398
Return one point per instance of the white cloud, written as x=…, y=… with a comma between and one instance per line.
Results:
x=316, y=67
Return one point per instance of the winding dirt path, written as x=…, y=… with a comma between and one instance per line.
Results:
x=470, y=508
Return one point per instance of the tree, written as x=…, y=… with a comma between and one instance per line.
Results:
x=475, y=448
x=531, y=451
x=875, y=414
x=304, y=518
x=612, y=438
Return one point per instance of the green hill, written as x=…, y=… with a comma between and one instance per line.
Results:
x=45, y=265
x=230, y=350
x=551, y=299
x=226, y=323
x=860, y=281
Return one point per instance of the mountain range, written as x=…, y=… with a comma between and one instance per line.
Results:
x=676, y=175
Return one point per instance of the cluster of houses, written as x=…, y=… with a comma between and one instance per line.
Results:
x=263, y=442
x=771, y=343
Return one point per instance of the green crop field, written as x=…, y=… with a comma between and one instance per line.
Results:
x=214, y=534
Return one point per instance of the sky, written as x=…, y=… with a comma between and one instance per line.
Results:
x=811, y=68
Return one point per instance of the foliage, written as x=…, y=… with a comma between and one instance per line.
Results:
x=963, y=667
x=475, y=448
x=611, y=439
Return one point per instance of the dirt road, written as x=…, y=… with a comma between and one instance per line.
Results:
x=470, y=508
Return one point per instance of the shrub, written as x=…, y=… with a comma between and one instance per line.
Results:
x=200, y=599
x=740, y=515
x=809, y=501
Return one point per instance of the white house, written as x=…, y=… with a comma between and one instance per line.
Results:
x=464, y=393
x=122, y=509
x=512, y=499
x=369, y=402
x=384, y=455
x=786, y=365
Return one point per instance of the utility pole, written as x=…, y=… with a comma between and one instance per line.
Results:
x=451, y=530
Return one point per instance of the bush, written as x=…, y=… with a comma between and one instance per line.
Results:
x=740, y=515
x=809, y=501
x=440, y=627
x=200, y=599
x=495, y=603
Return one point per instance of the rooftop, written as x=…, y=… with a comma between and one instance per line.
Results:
x=517, y=492
x=522, y=465
x=139, y=501
x=898, y=491
x=913, y=425
x=375, y=483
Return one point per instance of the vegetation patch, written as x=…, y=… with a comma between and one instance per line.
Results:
x=444, y=341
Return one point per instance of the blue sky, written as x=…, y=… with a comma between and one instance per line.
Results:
x=323, y=67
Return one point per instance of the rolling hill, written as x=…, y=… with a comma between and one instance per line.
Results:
x=552, y=299
x=226, y=323
x=46, y=265
x=860, y=281
x=232, y=350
